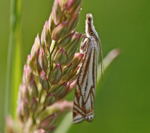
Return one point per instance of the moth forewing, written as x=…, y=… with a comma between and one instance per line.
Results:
x=84, y=96
x=91, y=82
x=83, y=108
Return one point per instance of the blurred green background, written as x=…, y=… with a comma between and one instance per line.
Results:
x=123, y=101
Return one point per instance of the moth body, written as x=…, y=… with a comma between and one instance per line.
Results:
x=83, y=108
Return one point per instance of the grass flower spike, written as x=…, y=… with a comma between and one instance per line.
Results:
x=50, y=71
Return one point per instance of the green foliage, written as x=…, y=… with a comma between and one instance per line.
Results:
x=123, y=104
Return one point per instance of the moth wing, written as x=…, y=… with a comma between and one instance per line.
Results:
x=90, y=82
x=88, y=74
x=78, y=109
x=85, y=92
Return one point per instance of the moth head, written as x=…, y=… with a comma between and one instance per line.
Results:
x=90, y=29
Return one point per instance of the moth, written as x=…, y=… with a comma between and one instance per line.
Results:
x=83, y=108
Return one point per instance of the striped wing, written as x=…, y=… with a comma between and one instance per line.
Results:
x=86, y=82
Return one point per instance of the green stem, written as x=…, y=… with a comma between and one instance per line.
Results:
x=13, y=57
x=65, y=124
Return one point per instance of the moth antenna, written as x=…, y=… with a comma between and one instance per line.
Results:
x=101, y=58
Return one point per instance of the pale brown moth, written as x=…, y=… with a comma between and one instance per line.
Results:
x=83, y=108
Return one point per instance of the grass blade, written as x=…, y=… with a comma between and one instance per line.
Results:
x=13, y=59
x=65, y=124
